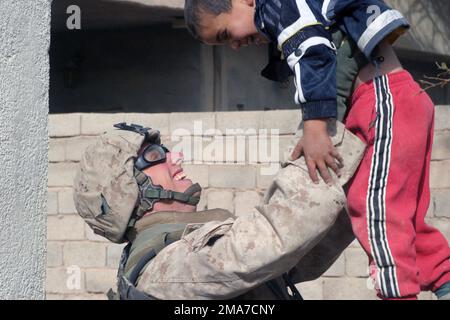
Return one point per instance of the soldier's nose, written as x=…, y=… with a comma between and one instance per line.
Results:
x=177, y=158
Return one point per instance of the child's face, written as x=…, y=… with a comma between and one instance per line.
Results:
x=235, y=28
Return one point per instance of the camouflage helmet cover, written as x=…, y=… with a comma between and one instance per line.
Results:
x=105, y=189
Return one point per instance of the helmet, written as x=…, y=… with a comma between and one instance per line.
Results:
x=110, y=194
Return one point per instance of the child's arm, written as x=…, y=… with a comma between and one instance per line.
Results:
x=349, y=62
x=298, y=27
x=306, y=44
x=318, y=150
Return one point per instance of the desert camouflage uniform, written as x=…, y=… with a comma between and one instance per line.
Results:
x=224, y=259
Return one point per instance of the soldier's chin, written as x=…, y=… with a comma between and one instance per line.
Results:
x=185, y=182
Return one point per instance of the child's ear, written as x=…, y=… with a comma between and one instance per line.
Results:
x=250, y=3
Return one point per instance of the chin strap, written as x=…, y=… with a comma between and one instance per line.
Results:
x=150, y=194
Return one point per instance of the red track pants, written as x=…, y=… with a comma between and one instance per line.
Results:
x=389, y=195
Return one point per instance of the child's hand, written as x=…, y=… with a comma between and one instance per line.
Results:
x=318, y=150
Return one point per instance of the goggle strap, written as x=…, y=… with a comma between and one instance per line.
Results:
x=144, y=131
x=141, y=177
x=152, y=194
x=143, y=207
x=161, y=194
x=193, y=201
x=155, y=194
x=193, y=189
x=182, y=197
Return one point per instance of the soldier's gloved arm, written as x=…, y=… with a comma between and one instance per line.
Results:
x=222, y=260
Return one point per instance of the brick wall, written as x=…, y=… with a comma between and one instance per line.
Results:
x=81, y=265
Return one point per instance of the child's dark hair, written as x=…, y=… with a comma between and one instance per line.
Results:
x=193, y=9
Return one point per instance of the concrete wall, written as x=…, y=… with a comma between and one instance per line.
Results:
x=24, y=84
x=73, y=248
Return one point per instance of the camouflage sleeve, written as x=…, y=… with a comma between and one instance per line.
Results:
x=222, y=260
x=317, y=261
x=349, y=61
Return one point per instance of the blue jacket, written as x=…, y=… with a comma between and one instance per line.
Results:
x=300, y=30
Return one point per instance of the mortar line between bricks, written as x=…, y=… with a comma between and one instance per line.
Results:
x=284, y=134
x=66, y=161
x=105, y=249
x=62, y=137
x=70, y=138
x=62, y=253
x=81, y=124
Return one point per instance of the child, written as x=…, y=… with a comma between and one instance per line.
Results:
x=389, y=195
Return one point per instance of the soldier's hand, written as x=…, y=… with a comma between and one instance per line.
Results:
x=318, y=150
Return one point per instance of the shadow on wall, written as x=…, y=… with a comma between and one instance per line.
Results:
x=427, y=42
x=134, y=58
x=101, y=14
x=430, y=31
x=122, y=59
x=124, y=70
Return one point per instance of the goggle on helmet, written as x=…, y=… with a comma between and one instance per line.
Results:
x=153, y=154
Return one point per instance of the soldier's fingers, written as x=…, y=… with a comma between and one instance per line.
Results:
x=312, y=171
x=298, y=151
x=338, y=157
x=324, y=173
x=331, y=163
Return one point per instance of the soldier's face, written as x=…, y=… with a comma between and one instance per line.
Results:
x=170, y=176
x=235, y=28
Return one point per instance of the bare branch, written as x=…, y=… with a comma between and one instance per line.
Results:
x=441, y=80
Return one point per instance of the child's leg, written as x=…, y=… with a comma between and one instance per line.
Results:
x=432, y=248
x=384, y=194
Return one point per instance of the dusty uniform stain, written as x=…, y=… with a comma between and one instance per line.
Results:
x=313, y=204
